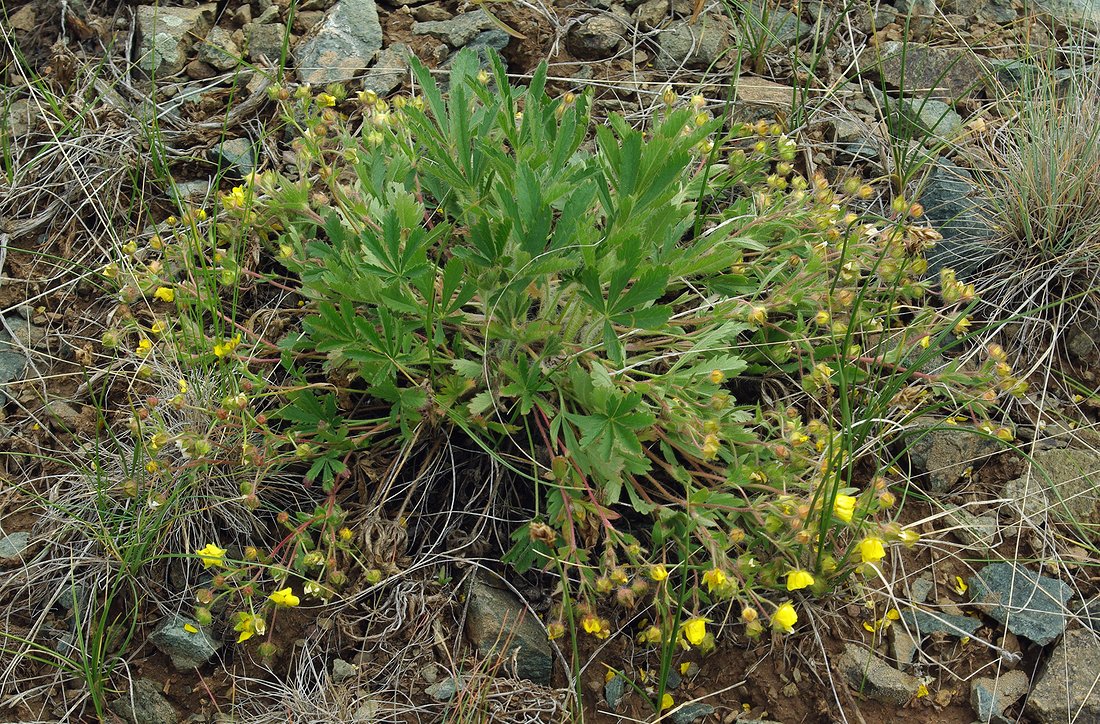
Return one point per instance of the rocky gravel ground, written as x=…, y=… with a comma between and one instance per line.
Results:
x=999, y=623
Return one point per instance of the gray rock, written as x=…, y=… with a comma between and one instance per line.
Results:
x=235, y=155
x=991, y=696
x=191, y=192
x=496, y=39
x=62, y=413
x=925, y=117
x=594, y=39
x=265, y=41
x=691, y=713
x=1083, y=343
x=1064, y=484
x=920, y=588
x=1028, y=604
x=13, y=363
x=758, y=99
x=144, y=704
x=348, y=39
x=939, y=457
x=1085, y=13
x=443, y=690
x=939, y=73
x=979, y=532
x=186, y=650
x=875, y=678
x=343, y=671
x=782, y=26
x=430, y=13
x=924, y=622
x=614, y=691
x=903, y=645
x=1066, y=690
x=497, y=620
x=698, y=45
x=389, y=70
x=651, y=13
x=13, y=545
x=954, y=205
x=459, y=30
x=219, y=50
x=166, y=35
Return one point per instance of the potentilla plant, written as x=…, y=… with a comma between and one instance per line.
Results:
x=591, y=315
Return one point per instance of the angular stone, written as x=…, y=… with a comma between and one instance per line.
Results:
x=944, y=74
x=955, y=206
x=343, y=670
x=614, y=691
x=389, y=70
x=940, y=456
x=501, y=626
x=925, y=117
x=981, y=532
x=1064, y=484
x=443, y=690
x=1028, y=604
x=782, y=26
x=265, y=41
x=459, y=30
x=1085, y=13
x=186, y=650
x=166, y=35
x=13, y=363
x=235, y=155
x=144, y=704
x=700, y=45
x=13, y=545
x=991, y=696
x=690, y=713
x=348, y=39
x=930, y=622
x=594, y=39
x=758, y=99
x=1067, y=690
x=219, y=50
x=875, y=678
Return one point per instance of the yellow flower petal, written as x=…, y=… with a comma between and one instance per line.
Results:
x=211, y=555
x=784, y=618
x=798, y=579
x=871, y=550
x=284, y=597
x=844, y=507
x=695, y=630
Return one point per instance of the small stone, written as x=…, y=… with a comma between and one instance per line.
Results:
x=596, y=38
x=875, y=678
x=991, y=696
x=761, y=99
x=186, y=650
x=198, y=70
x=694, y=45
x=939, y=73
x=430, y=673
x=614, y=691
x=497, y=620
x=13, y=363
x=242, y=16
x=219, y=50
x=652, y=13
x=13, y=545
x=166, y=35
x=1066, y=690
x=348, y=39
x=24, y=19
x=265, y=41
x=389, y=70
x=306, y=21
x=144, y=704
x=444, y=690
x=956, y=207
x=343, y=670
x=982, y=532
x=1083, y=13
x=925, y=117
x=924, y=623
x=459, y=30
x=1029, y=604
x=941, y=454
x=690, y=713
x=903, y=646
x=236, y=155
x=1063, y=484
x=432, y=14
x=191, y=192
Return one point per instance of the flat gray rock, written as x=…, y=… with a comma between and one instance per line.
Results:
x=939, y=73
x=13, y=363
x=940, y=456
x=1067, y=690
x=343, y=47
x=389, y=70
x=1028, y=604
x=186, y=650
x=930, y=622
x=459, y=30
x=690, y=713
x=954, y=205
x=1085, y=13
x=596, y=38
x=14, y=544
x=144, y=704
x=870, y=675
x=991, y=696
x=497, y=620
x=1064, y=484
x=694, y=45
x=166, y=35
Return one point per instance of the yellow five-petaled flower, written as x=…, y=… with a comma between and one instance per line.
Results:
x=695, y=630
x=714, y=578
x=284, y=597
x=658, y=573
x=165, y=294
x=211, y=555
x=871, y=550
x=844, y=507
x=784, y=618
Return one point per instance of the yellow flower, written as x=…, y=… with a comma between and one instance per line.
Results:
x=695, y=630
x=284, y=597
x=235, y=199
x=651, y=635
x=190, y=629
x=798, y=579
x=248, y=625
x=211, y=555
x=784, y=618
x=224, y=349
x=960, y=585
x=925, y=341
x=658, y=573
x=666, y=701
x=909, y=537
x=326, y=100
x=182, y=385
x=554, y=631
x=714, y=578
x=717, y=376
x=844, y=507
x=871, y=550
x=598, y=627
x=165, y=294
x=144, y=347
